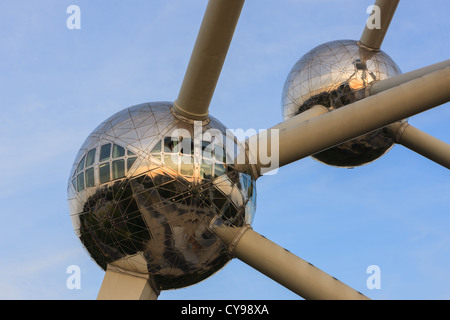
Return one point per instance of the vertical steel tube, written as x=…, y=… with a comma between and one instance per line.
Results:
x=208, y=57
x=374, y=34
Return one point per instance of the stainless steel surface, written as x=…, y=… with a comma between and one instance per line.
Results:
x=335, y=74
x=140, y=203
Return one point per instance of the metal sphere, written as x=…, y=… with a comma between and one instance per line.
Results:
x=140, y=202
x=335, y=74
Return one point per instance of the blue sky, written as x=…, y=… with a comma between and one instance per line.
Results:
x=57, y=85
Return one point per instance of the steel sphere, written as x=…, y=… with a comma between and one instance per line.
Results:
x=140, y=202
x=335, y=74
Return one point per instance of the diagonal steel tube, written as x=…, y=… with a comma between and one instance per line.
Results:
x=328, y=130
x=374, y=34
x=282, y=266
x=380, y=86
x=208, y=57
x=421, y=142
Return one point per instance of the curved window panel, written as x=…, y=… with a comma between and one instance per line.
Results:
x=118, y=169
x=157, y=148
x=219, y=170
x=80, y=182
x=81, y=165
x=186, y=146
x=206, y=169
x=104, y=173
x=130, y=162
x=232, y=149
x=169, y=161
x=219, y=154
x=207, y=150
x=118, y=151
x=170, y=145
x=90, y=159
x=89, y=177
x=229, y=212
x=114, y=160
x=187, y=166
x=105, y=152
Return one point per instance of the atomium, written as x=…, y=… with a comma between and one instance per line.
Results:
x=140, y=202
x=156, y=193
x=336, y=74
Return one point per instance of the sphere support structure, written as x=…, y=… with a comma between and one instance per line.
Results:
x=123, y=286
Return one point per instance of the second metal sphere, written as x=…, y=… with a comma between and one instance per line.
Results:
x=335, y=74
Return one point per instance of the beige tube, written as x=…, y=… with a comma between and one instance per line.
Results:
x=309, y=114
x=375, y=31
x=207, y=59
x=315, y=135
x=380, y=86
x=421, y=142
x=282, y=266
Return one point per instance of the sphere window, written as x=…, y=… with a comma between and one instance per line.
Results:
x=80, y=182
x=118, y=151
x=178, y=154
x=130, y=162
x=206, y=169
x=89, y=178
x=90, y=159
x=105, y=152
x=85, y=170
x=157, y=148
x=105, y=175
x=118, y=169
x=81, y=165
x=115, y=162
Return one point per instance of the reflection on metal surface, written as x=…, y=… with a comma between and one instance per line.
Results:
x=335, y=74
x=138, y=202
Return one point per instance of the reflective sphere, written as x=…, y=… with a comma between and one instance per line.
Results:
x=335, y=74
x=144, y=188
